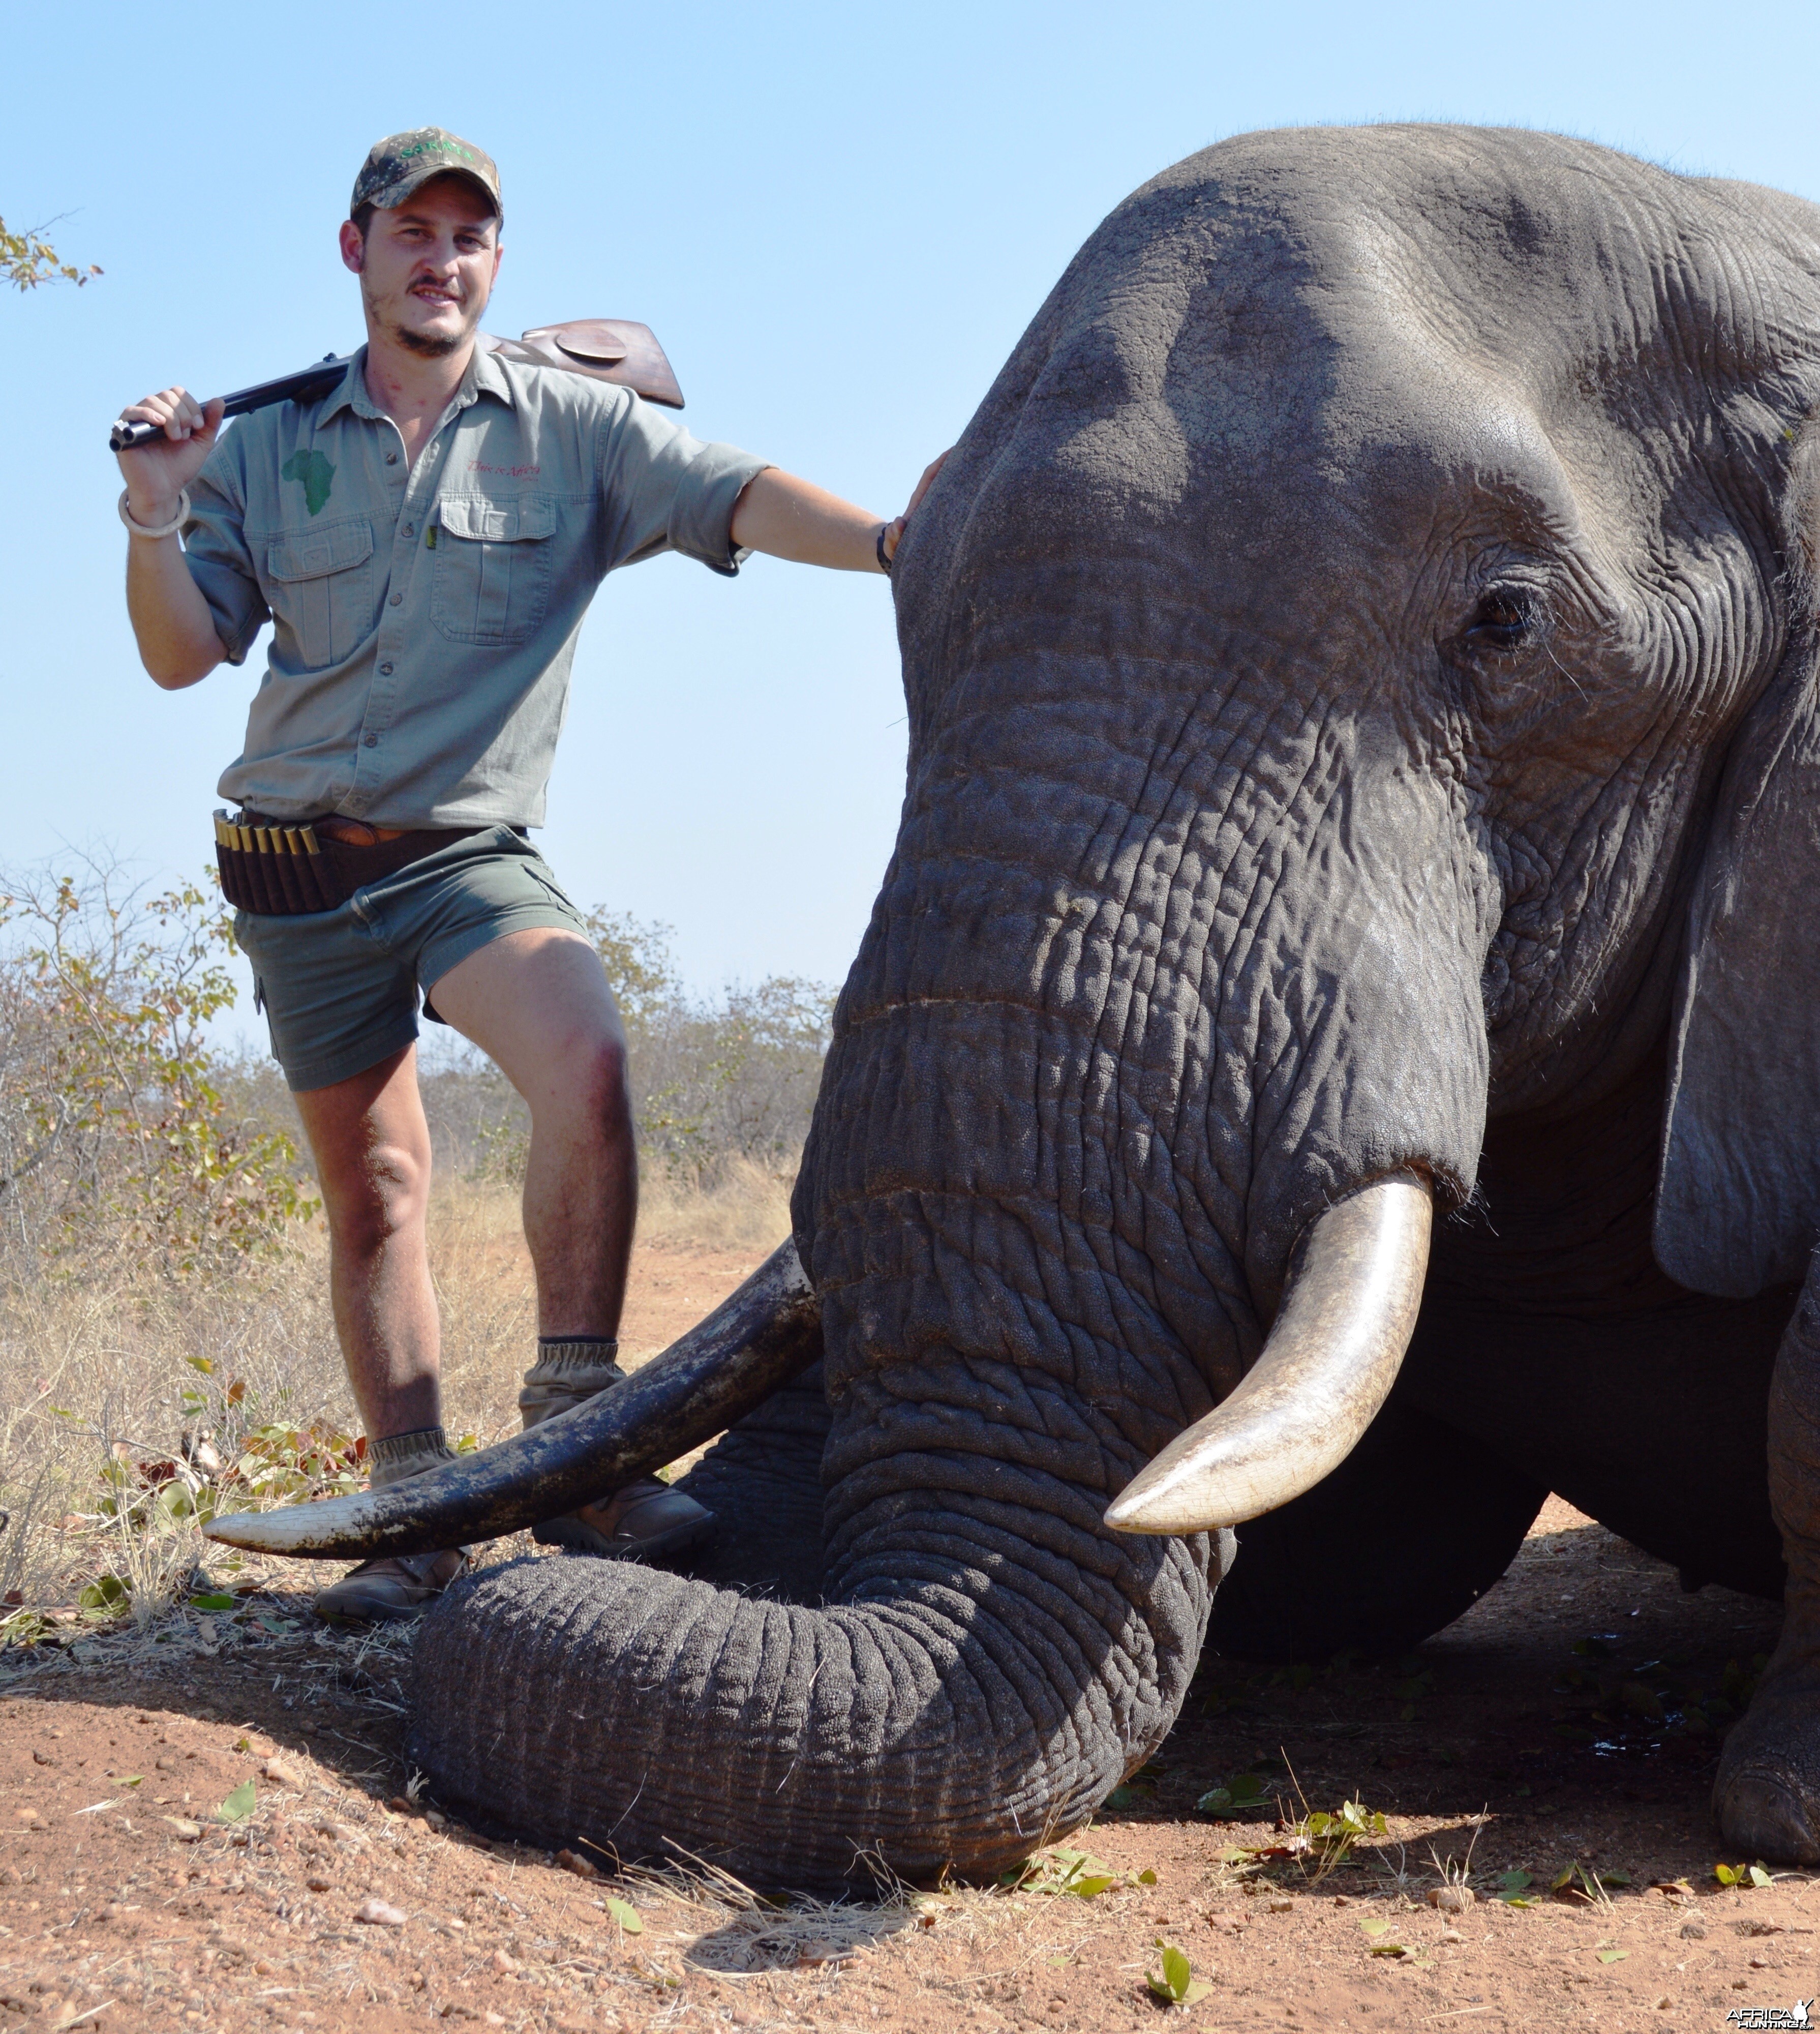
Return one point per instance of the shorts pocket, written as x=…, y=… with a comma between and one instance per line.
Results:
x=321, y=589
x=493, y=566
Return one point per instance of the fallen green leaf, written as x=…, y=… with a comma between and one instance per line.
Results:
x=1375, y=1927
x=239, y=1804
x=626, y=1915
x=217, y=1600
x=1146, y=1877
x=1077, y=1872
x=105, y=1595
x=129, y=1779
x=1232, y=1797
x=1176, y=1981
x=1388, y=1950
x=1612, y=1956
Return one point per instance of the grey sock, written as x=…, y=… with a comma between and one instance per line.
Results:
x=570, y=1370
x=394, y=1456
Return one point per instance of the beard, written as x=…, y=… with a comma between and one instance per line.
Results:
x=426, y=346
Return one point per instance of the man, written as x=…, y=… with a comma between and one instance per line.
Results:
x=425, y=540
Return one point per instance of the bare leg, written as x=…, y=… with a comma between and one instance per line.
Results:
x=371, y=1145
x=1767, y=1796
x=537, y=1004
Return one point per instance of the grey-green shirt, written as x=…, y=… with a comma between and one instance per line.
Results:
x=425, y=620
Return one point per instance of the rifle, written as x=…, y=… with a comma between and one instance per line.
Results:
x=604, y=349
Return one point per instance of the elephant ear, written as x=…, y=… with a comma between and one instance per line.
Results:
x=1738, y=1203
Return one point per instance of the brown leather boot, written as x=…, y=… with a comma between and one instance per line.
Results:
x=646, y=1521
x=395, y=1585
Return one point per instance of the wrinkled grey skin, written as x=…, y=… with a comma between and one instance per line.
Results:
x=1354, y=640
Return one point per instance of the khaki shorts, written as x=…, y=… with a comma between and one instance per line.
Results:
x=340, y=988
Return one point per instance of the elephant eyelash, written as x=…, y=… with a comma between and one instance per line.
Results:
x=1503, y=621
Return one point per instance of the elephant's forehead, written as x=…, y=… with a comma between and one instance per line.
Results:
x=1346, y=287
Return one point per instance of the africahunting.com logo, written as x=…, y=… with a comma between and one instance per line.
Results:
x=1798, y=2015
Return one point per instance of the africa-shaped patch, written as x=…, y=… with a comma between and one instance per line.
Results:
x=317, y=475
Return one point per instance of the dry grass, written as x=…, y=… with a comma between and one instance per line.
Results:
x=98, y=1371
x=749, y=1210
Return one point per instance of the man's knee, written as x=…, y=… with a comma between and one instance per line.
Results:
x=374, y=1197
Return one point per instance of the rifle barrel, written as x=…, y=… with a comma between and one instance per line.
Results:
x=302, y=387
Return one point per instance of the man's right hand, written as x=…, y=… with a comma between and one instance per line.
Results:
x=157, y=472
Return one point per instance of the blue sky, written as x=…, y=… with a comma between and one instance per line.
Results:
x=838, y=221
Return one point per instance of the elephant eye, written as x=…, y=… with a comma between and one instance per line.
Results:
x=1501, y=622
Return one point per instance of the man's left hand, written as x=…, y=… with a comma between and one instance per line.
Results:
x=895, y=528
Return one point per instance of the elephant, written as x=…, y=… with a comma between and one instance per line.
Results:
x=1333, y=1055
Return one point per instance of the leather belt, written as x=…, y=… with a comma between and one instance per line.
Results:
x=282, y=869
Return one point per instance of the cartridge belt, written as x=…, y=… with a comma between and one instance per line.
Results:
x=280, y=868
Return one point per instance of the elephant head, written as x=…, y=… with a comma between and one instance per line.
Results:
x=1330, y=650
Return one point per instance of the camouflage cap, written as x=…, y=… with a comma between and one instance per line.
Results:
x=395, y=167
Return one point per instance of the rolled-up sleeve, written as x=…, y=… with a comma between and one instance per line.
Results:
x=664, y=489
x=215, y=549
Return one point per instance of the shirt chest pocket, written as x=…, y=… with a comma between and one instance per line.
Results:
x=493, y=565
x=322, y=588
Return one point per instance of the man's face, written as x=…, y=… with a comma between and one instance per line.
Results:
x=426, y=268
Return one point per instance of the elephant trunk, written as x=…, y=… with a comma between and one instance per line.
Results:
x=994, y=1664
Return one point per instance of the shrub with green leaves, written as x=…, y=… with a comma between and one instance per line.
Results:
x=116, y=1133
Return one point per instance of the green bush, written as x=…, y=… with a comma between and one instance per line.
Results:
x=116, y=1132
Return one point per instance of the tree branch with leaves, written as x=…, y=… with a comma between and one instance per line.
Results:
x=27, y=260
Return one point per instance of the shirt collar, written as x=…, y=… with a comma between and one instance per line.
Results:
x=484, y=377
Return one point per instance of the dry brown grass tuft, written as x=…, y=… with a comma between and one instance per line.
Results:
x=99, y=1377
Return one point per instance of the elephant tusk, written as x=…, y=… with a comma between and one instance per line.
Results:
x=767, y=1333
x=1355, y=1288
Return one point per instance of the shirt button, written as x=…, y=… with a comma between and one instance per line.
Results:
x=410, y=529
x=394, y=602
x=392, y=459
x=372, y=742
x=385, y=671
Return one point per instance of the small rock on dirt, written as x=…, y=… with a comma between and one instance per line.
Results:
x=583, y=1867
x=1694, y=1932
x=379, y=1914
x=275, y=1771
x=1451, y=1899
x=183, y=1829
